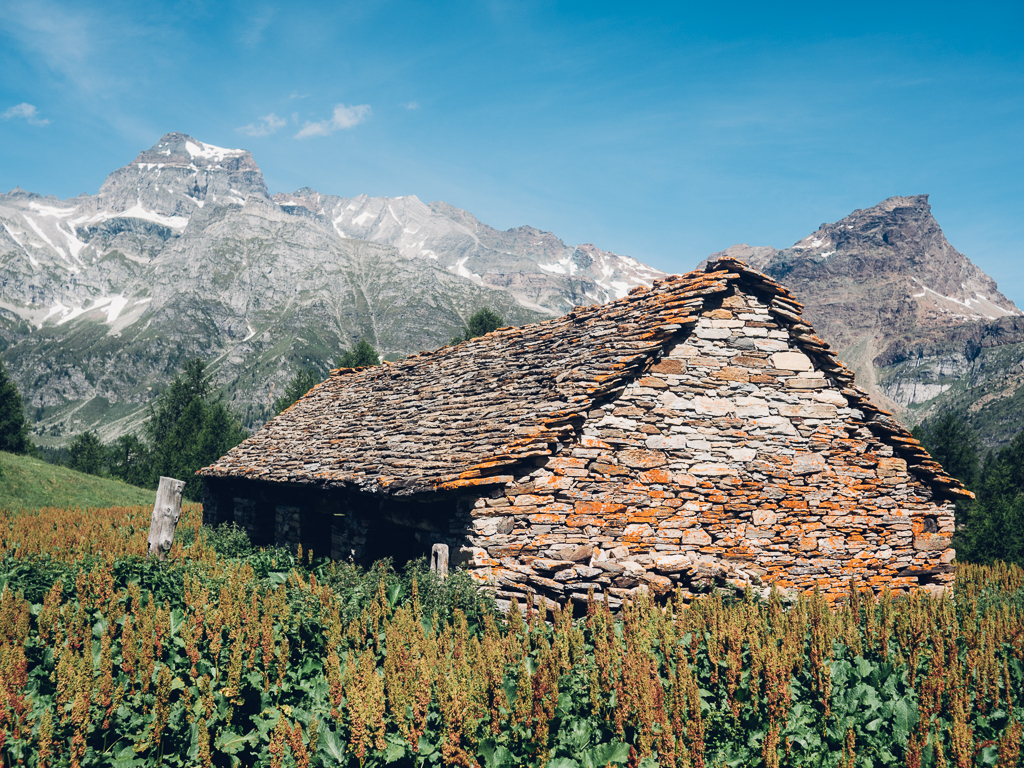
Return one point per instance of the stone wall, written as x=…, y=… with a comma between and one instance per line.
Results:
x=732, y=461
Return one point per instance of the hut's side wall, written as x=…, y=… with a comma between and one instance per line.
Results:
x=731, y=457
x=344, y=524
x=283, y=515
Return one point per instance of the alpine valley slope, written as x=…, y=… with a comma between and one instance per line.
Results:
x=183, y=253
x=925, y=329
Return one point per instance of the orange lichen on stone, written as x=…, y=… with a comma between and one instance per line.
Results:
x=598, y=508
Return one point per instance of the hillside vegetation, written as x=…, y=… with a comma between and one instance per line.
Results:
x=27, y=483
x=226, y=656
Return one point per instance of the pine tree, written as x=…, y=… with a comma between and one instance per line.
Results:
x=13, y=424
x=304, y=381
x=480, y=323
x=362, y=354
x=87, y=454
x=953, y=444
x=483, y=321
x=129, y=459
x=190, y=428
x=991, y=527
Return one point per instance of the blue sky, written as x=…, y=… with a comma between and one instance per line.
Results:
x=664, y=132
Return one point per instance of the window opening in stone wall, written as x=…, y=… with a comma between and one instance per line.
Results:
x=407, y=530
x=262, y=532
x=315, y=532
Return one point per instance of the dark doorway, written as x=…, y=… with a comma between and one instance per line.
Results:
x=386, y=539
x=405, y=530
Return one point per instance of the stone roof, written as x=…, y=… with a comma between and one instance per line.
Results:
x=467, y=415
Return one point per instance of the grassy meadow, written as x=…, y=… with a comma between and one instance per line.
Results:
x=230, y=656
x=28, y=483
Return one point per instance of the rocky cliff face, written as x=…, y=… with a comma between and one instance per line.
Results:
x=182, y=253
x=925, y=329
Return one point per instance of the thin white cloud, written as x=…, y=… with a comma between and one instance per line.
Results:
x=410, y=105
x=25, y=111
x=297, y=95
x=342, y=119
x=254, y=25
x=66, y=37
x=267, y=125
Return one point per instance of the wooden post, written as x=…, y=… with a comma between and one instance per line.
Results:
x=439, y=560
x=166, y=512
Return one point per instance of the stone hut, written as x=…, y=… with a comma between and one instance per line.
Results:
x=693, y=433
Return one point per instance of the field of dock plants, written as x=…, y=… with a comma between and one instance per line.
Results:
x=229, y=656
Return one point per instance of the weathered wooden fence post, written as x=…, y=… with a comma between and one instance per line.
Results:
x=166, y=512
x=439, y=560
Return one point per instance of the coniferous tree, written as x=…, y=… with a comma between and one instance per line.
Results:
x=953, y=444
x=128, y=459
x=991, y=527
x=362, y=354
x=189, y=428
x=13, y=424
x=87, y=454
x=480, y=323
x=304, y=381
x=483, y=321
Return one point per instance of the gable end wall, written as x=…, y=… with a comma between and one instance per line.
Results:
x=731, y=458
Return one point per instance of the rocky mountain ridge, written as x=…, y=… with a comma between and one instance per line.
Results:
x=537, y=267
x=183, y=253
x=925, y=329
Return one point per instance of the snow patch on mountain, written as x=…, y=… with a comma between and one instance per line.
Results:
x=138, y=211
x=51, y=210
x=210, y=152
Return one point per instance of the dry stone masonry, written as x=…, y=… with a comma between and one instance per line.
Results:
x=693, y=435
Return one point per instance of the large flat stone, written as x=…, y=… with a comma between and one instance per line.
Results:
x=797, y=383
x=792, y=361
x=742, y=454
x=752, y=407
x=669, y=365
x=696, y=536
x=771, y=345
x=928, y=542
x=712, y=333
x=714, y=406
x=666, y=442
x=672, y=563
x=809, y=411
x=713, y=470
x=640, y=459
x=808, y=463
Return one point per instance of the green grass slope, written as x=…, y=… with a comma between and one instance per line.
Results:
x=27, y=483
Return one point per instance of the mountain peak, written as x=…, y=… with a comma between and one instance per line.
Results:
x=18, y=192
x=898, y=240
x=182, y=149
x=179, y=174
x=919, y=202
x=880, y=281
